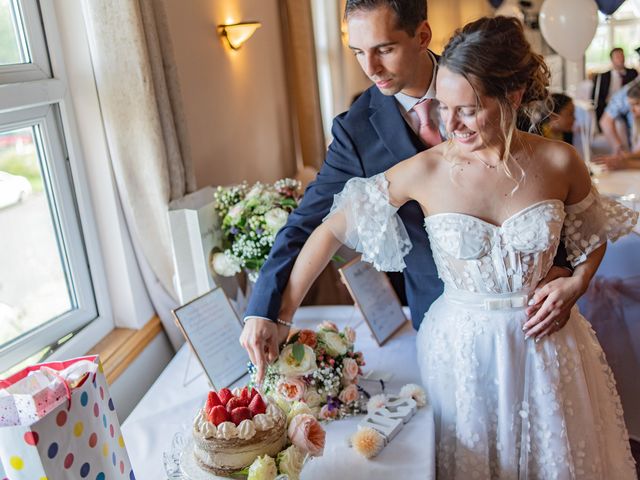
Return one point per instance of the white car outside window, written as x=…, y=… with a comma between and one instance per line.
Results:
x=13, y=189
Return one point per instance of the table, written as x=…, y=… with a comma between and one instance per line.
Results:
x=170, y=405
x=618, y=329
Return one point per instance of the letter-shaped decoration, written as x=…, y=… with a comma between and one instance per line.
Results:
x=402, y=408
x=380, y=421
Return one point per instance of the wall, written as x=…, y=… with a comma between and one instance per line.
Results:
x=235, y=102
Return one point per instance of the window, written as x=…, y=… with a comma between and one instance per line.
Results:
x=622, y=29
x=48, y=259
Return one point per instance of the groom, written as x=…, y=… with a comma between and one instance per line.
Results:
x=391, y=121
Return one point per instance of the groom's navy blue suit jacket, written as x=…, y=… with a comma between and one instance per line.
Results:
x=368, y=139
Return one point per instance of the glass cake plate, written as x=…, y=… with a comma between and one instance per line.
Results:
x=180, y=464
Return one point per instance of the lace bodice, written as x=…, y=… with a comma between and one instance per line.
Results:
x=472, y=254
x=476, y=256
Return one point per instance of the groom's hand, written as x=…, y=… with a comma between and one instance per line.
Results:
x=260, y=339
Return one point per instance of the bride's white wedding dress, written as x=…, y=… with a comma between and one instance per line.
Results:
x=505, y=407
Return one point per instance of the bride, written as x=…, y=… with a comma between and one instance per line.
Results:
x=511, y=400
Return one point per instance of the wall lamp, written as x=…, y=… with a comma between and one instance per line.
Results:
x=237, y=33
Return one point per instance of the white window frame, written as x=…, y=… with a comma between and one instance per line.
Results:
x=38, y=67
x=47, y=102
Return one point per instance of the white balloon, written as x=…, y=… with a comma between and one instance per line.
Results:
x=568, y=26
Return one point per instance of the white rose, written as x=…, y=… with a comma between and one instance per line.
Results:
x=275, y=219
x=312, y=398
x=298, y=408
x=235, y=212
x=290, y=367
x=263, y=468
x=290, y=462
x=255, y=191
x=333, y=342
x=225, y=264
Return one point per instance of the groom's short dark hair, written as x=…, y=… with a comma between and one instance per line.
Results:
x=409, y=13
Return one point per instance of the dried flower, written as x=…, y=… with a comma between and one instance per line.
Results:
x=376, y=402
x=416, y=392
x=368, y=442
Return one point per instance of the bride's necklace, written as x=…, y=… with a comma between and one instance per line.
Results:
x=488, y=165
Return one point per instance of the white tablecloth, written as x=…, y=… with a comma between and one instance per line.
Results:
x=170, y=405
x=620, y=339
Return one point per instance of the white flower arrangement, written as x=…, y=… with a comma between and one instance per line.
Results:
x=251, y=217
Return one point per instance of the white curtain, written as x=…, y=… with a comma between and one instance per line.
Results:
x=142, y=114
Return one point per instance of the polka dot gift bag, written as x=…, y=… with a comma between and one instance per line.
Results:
x=58, y=422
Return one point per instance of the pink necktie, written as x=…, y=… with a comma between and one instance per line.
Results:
x=428, y=130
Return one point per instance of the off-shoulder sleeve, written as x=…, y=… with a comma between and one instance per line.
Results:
x=368, y=223
x=591, y=222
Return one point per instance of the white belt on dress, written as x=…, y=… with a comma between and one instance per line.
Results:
x=488, y=301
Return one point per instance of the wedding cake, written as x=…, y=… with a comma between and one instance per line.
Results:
x=232, y=430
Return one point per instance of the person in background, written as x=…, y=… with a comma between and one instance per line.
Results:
x=558, y=125
x=619, y=109
x=606, y=84
x=627, y=159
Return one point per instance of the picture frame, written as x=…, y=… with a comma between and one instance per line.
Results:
x=374, y=296
x=212, y=328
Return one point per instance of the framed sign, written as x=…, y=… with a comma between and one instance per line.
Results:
x=373, y=294
x=212, y=330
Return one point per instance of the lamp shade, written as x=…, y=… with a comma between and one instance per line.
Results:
x=237, y=33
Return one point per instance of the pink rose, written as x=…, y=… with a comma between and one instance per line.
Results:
x=291, y=389
x=350, y=334
x=350, y=368
x=307, y=434
x=330, y=326
x=327, y=414
x=349, y=394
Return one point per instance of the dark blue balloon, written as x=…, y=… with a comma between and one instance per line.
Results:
x=496, y=3
x=608, y=7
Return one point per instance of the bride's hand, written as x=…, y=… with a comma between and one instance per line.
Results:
x=552, y=302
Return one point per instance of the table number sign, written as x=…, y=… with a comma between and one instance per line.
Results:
x=373, y=294
x=212, y=329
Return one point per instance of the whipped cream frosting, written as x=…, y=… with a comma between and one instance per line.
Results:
x=245, y=430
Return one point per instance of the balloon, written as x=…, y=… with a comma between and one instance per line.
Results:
x=496, y=3
x=608, y=7
x=568, y=26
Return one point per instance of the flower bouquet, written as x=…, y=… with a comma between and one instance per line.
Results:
x=251, y=217
x=316, y=372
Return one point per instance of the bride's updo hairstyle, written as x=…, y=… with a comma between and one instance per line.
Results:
x=493, y=55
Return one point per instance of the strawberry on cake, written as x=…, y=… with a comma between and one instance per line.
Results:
x=231, y=431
